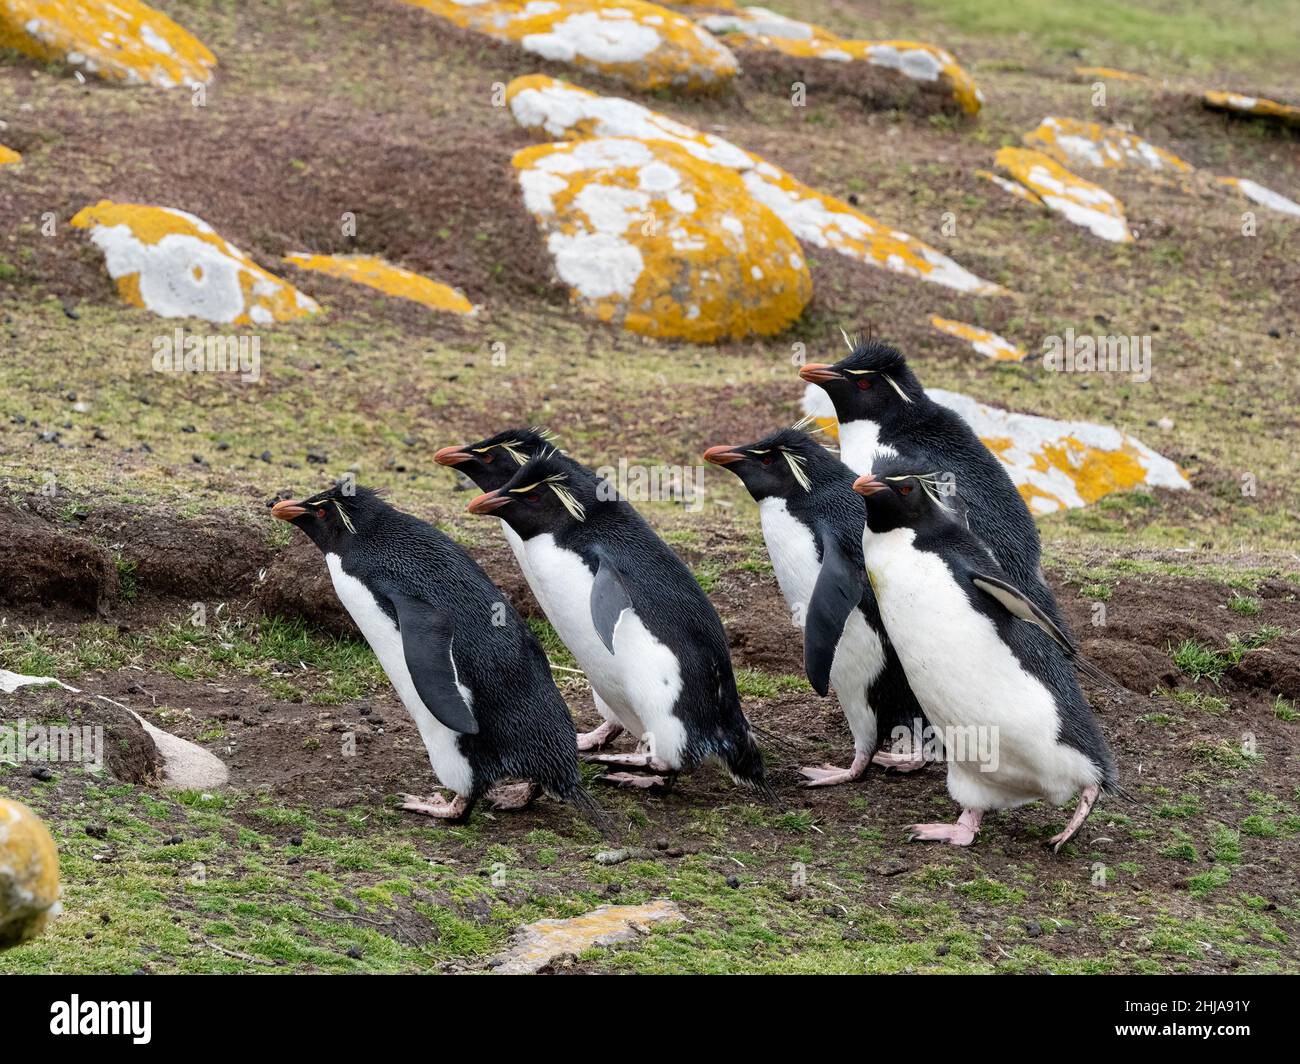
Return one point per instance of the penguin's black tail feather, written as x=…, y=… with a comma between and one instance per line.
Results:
x=593, y=812
x=744, y=761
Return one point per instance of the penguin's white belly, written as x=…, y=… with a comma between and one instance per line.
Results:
x=859, y=655
x=970, y=684
x=449, y=764
x=640, y=682
x=860, y=446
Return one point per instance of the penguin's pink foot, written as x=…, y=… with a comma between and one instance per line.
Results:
x=636, y=779
x=961, y=833
x=1087, y=799
x=512, y=795
x=436, y=806
x=594, y=740
x=640, y=759
x=893, y=762
x=830, y=776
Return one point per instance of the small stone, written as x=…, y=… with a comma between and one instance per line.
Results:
x=188, y=429
x=294, y=860
x=354, y=953
x=173, y=840
x=295, y=840
x=733, y=882
x=97, y=831
x=942, y=950
x=1165, y=424
x=1033, y=929
x=40, y=772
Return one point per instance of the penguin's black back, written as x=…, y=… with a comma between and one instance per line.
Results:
x=525, y=730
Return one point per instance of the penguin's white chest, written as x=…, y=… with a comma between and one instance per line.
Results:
x=970, y=684
x=793, y=551
x=860, y=446
x=859, y=654
x=641, y=680
x=442, y=744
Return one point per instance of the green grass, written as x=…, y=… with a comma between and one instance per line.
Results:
x=1201, y=662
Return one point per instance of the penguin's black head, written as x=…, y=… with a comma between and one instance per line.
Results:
x=491, y=462
x=546, y=494
x=899, y=496
x=873, y=383
x=778, y=466
x=332, y=518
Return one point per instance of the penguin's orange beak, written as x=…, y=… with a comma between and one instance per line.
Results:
x=722, y=455
x=819, y=373
x=288, y=509
x=489, y=501
x=450, y=456
x=868, y=485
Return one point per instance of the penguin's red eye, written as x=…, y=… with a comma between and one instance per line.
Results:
x=767, y=459
x=320, y=511
x=864, y=383
x=905, y=489
x=488, y=457
x=532, y=496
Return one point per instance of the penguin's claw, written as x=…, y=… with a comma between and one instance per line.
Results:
x=893, y=762
x=511, y=795
x=1087, y=799
x=594, y=740
x=636, y=779
x=435, y=806
x=830, y=776
x=961, y=833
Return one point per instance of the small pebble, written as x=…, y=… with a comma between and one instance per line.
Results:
x=733, y=882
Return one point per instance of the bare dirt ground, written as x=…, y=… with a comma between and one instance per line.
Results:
x=130, y=497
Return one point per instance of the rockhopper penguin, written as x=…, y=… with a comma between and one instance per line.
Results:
x=490, y=463
x=812, y=525
x=992, y=671
x=883, y=412
x=466, y=666
x=635, y=619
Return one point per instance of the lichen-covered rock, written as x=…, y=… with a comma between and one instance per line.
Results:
x=177, y=266
x=118, y=40
x=640, y=44
x=1254, y=106
x=29, y=875
x=759, y=29
x=1106, y=147
x=988, y=344
x=1055, y=465
x=1257, y=193
x=652, y=238
x=1080, y=201
x=1095, y=73
x=558, y=109
x=538, y=944
x=374, y=272
x=1016, y=189
x=8, y=156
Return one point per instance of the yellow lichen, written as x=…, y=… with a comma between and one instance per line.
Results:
x=176, y=265
x=986, y=343
x=8, y=156
x=392, y=280
x=29, y=875
x=1017, y=190
x=760, y=29
x=118, y=40
x=1107, y=147
x=1082, y=202
x=1251, y=105
x=651, y=238
x=1112, y=74
x=639, y=43
x=557, y=109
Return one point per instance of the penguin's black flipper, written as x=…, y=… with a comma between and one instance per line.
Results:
x=1019, y=606
x=838, y=591
x=426, y=644
x=609, y=598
